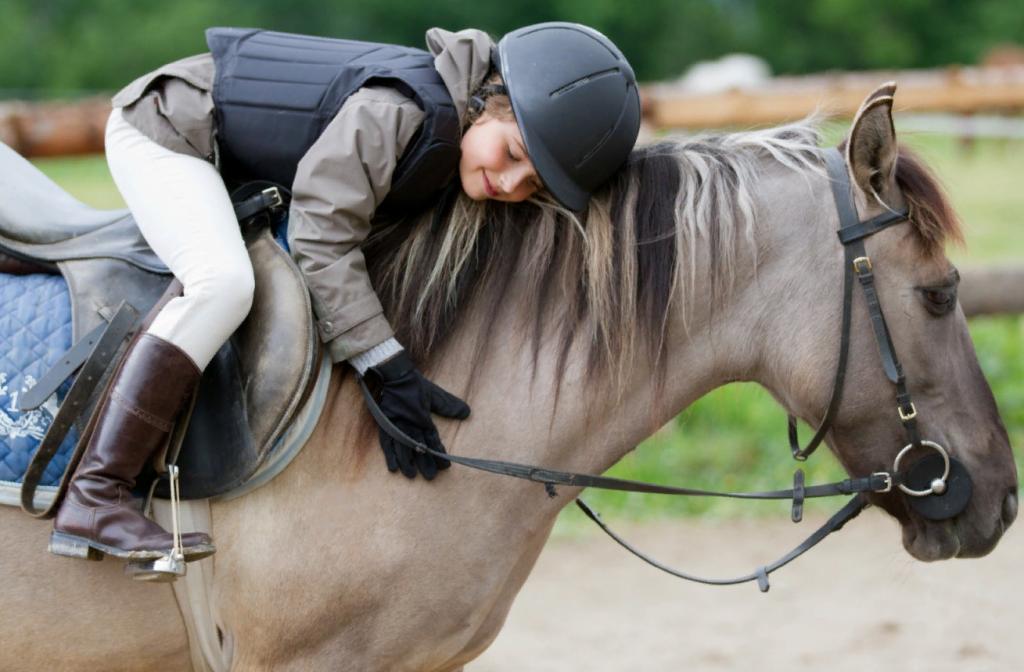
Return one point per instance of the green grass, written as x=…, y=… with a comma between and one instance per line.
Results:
x=84, y=177
x=734, y=438
x=984, y=182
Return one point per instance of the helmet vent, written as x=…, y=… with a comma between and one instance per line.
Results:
x=581, y=81
x=604, y=138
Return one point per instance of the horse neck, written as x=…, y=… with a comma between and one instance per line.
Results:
x=515, y=416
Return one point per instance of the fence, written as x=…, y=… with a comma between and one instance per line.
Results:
x=951, y=90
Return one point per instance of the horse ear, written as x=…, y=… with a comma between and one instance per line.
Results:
x=871, y=150
x=887, y=89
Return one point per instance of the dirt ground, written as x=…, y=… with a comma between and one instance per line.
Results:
x=856, y=602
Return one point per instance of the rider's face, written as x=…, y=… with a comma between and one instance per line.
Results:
x=494, y=163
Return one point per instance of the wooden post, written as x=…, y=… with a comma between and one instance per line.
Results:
x=55, y=129
x=992, y=290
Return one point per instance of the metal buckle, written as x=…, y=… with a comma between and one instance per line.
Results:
x=866, y=261
x=907, y=416
x=888, y=480
x=274, y=196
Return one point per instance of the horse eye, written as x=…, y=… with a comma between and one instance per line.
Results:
x=939, y=300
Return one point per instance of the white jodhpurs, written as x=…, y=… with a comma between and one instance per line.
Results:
x=186, y=216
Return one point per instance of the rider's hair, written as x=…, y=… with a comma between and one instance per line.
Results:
x=489, y=98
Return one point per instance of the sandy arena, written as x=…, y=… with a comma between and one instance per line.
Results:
x=856, y=602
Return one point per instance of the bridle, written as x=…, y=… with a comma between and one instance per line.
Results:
x=938, y=486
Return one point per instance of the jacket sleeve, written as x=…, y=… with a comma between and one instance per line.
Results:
x=339, y=183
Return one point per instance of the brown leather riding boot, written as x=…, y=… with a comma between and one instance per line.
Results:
x=99, y=514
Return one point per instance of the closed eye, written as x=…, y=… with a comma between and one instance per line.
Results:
x=535, y=182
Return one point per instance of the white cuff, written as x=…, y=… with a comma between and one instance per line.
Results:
x=375, y=355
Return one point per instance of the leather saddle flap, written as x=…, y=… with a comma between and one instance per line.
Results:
x=256, y=382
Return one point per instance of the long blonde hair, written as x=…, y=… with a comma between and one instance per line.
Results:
x=604, y=280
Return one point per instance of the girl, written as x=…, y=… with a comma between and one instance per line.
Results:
x=358, y=131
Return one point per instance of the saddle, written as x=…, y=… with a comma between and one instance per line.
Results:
x=258, y=382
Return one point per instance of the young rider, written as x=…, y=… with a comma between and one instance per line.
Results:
x=356, y=130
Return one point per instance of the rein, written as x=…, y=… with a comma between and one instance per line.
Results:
x=939, y=486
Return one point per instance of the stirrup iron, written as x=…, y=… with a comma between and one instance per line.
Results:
x=168, y=568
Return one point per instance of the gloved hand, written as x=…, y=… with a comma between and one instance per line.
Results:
x=407, y=399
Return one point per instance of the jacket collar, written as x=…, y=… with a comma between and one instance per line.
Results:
x=463, y=60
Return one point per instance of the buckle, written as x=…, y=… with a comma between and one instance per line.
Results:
x=273, y=196
x=859, y=261
x=888, y=480
x=910, y=415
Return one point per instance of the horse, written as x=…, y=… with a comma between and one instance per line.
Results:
x=703, y=262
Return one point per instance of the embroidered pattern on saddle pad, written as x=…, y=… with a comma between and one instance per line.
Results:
x=35, y=330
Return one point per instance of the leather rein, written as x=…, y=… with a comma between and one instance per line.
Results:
x=939, y=486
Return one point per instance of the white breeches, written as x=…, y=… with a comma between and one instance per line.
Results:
x=186, y=216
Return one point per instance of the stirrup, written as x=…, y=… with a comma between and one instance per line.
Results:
x=168, y=568
x=162, y=570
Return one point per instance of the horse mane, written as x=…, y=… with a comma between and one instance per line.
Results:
x=604, y=280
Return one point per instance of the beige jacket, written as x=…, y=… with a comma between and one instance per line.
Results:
x=340, y=181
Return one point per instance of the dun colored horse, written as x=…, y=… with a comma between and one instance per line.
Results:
x=704, y=262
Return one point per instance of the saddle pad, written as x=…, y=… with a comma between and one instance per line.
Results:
x=35, y=330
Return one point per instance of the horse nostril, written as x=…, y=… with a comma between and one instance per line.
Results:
x=1010, y=507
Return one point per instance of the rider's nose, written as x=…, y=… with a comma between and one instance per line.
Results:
x=512, y=179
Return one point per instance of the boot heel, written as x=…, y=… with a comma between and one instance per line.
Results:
x=62, y=544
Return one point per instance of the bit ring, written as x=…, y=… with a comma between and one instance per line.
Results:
x=939, y=484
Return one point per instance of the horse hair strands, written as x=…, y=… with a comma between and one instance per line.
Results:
x=619, y=267
x=606, y=280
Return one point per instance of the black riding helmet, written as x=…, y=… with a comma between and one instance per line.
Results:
x=575, y=99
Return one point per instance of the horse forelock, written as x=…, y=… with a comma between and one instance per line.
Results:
x=605, y=281
x=931, y=212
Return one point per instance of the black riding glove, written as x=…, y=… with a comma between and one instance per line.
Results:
x=407, y=399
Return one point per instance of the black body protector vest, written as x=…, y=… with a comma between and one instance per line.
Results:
x=274, y=94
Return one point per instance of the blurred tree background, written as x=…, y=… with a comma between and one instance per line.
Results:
x=71, y=47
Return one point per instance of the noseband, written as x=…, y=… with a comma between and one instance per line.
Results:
x=938, y=486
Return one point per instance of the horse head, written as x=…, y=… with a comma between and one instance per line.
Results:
x=916, y=288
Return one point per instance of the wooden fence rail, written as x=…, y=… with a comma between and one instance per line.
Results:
x=992, y=290
x=53, y=129
x=961, y=90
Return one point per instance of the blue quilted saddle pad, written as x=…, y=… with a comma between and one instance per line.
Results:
x=35, y=330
